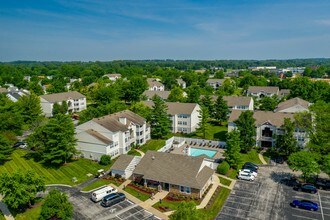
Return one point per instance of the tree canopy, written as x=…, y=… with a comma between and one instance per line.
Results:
x=247, y=130
x=159, y=119
x=186, y=211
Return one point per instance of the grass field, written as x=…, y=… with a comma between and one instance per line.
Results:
x=30, y=214
x=212, y=211
x=96, y=184
x=1, y=216
x=152, y=145
x=133, y=152
x=140, y=195
x=173, y=205
x=62, y=175
x=224, y=181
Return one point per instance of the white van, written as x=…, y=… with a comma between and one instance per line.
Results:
x=99, y=194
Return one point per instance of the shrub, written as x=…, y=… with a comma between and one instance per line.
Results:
x=105, y=160
x=223, y=168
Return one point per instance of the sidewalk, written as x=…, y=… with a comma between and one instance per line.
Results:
x=125, y=183
x=4, y=209
x=216, y=183
x=262, y=159
x=232, y=184
x=157, y=197
x=141, y=152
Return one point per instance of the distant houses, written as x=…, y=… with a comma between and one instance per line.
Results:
x=112, y=135
x=215, y=83
x=181, y=83
x=293, y=105
x=13, y=93
x=237, y=102
x=76, y=102
x=184, y=116
x=155, y=85
x=113, y=76
x=268, y=125
x=149, y=94
x=262, y=91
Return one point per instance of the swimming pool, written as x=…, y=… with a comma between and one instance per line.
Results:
x=195, y=152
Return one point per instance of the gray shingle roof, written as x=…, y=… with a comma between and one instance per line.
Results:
x=161, y=94
x=63, y=96
x=220, y=81
x=292, y=102
x=111, y=122
x=99, y=136
x=122, y=162
x=175, y=108
x=275, y=118
x=153, y=82
x=3, y=90
x=175, y=169
x=267, y=89
x=237, y=100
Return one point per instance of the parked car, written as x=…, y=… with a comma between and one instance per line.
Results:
x=248, y=171
x=305, y=204
x=305, y=188
x=20, y=144
x=247, y=166
x=245, y=176
x=252, y=164
x=113, y=199
x=322, y=184
x=98, y=195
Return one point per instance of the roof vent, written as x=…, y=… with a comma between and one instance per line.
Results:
x=153, y=157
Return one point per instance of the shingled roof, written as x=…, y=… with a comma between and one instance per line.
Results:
x=153, y=82
x=63, y=96
x=267, y=89
x=175, y=108
x=261, y=117
x=237, y=100
x=292, y=102
x=215, y=81
x=99, y=136
x=161, y=94
x=175, y=169
x=112, y=123
x=122, y=162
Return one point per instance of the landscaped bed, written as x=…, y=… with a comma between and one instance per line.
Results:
x=172, y=201
x=117, y=181
x=61, y=175
x=224, y=181
x=215, y=204
x=140, y=192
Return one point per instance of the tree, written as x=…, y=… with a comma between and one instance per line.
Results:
x=193, y=93
x=54, y=142
x=286, y=143
x=305, y=162
x=56, y=206
x=133, y=89
x=30, y=108
x=20, y=188
x=326, y=164
x=204, y=117
x=247, y=130
x=36, y=88
x=232, y=152
x=160, y=122
x=221, y=109
x=207, y=102
x=5, y=149
x=268, y=103
x=228, y=86
x=186, y=211
x=176, y=95
x=105, y=159
x=142, y=110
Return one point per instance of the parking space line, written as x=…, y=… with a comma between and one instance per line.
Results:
x=299, y=216
x=320, y=205
x=231, y=216
x=239, y=203
x=303, y=210
x=238, y=190
x=235, y=208
x=242, y=197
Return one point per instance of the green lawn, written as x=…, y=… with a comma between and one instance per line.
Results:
x=153, y=145
x=30, y=214
x=1, y=216
x=133, y=152
x=212, y=211
x=140, y=195
x=96, y=184
x=224, y=181
x=63, y=174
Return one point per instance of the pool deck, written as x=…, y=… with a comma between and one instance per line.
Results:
x=180, y=150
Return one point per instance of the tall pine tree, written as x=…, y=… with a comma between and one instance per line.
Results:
x=221, y=110
x=160, y=122
x=232, y=152
x=5, y=149
x=204, y=117
x=247, y=130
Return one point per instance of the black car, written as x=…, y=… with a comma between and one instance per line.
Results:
x=323, y=184
x=113, y=199
x=253, y=168
x=252, y=165
x=305, y=188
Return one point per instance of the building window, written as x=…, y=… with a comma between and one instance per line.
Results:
x=182, y=189
x=183, y=116
x=185, y=189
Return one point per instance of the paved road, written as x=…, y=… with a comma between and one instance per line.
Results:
x=267, y=198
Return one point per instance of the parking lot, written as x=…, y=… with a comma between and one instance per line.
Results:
x=84, y=208
x=267, y=198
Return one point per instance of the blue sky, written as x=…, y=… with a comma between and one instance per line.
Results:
x=90, y=30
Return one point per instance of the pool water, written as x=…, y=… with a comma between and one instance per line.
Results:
x=195, y=152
